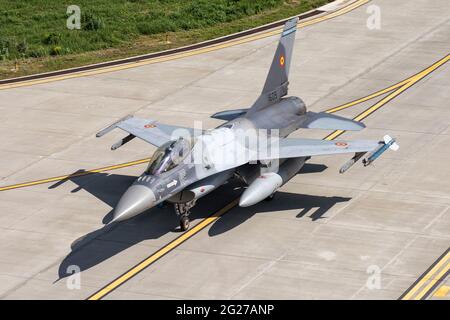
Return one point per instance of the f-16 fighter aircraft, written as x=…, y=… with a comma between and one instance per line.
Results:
x=252, y=145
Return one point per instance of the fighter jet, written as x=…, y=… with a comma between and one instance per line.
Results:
x=251, y=144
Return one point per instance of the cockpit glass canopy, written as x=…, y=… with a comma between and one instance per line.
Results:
x=168, y=156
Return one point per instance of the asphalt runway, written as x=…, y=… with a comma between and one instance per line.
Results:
x=380, y=232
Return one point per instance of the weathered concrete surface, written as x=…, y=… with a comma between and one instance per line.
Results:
x=323, y=232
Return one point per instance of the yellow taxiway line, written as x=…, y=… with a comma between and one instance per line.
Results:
x=74, y=175
x=369, y=97
x=425, y=284
x=442, y=292
x=433, y=282
x=211, y=48
x=414, y=79
x=405, y=85
x=161, y=252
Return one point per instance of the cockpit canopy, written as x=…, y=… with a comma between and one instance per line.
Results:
x=168, y=156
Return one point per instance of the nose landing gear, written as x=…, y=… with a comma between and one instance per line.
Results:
x=183, y=211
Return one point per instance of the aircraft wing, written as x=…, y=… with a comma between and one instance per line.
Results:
x=148, y=130
x=293, y=148
x=217, y=156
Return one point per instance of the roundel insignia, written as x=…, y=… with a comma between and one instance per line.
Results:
x=150, y=125
x=341, y=144
x=282, y=61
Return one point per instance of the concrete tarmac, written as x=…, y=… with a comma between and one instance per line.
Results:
x=367, y=234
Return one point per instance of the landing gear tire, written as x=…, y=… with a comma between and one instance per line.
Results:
x=184, y=222
x=183, y=211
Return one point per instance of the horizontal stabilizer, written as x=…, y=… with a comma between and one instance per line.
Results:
x=328, y=121
x=229, y=115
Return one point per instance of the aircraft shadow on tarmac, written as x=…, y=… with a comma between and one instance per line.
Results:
x=110, y=240
x=310, y=206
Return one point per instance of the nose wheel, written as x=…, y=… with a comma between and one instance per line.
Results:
x=183, y=211
x=184, y=222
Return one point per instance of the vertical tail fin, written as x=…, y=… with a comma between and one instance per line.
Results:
x=279, y=70
x=276, y=84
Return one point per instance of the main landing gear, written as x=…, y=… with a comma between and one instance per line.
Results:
x=183, y=211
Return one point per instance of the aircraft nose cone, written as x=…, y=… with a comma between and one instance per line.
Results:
x=134, y=201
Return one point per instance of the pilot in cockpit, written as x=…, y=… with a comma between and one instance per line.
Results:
x=168, y=156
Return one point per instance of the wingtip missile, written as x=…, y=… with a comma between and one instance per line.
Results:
x=387, y=143
x=391, y=143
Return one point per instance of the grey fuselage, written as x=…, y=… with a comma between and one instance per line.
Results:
x=286, y=116
x=181, y=184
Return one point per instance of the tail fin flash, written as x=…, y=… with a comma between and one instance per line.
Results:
x=276, y=85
